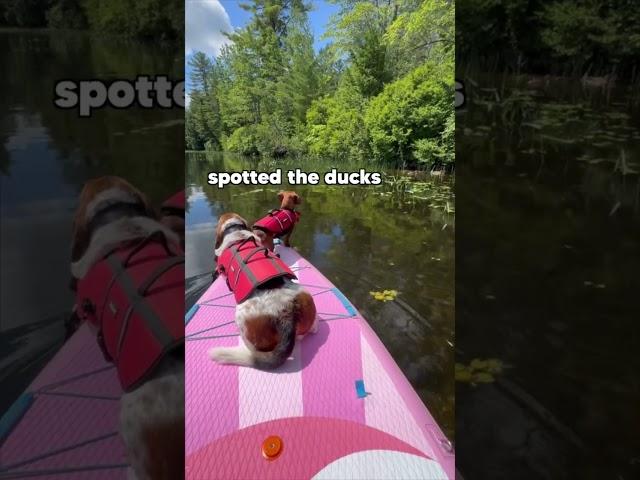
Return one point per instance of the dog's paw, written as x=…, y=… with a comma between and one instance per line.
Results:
x=316, y=325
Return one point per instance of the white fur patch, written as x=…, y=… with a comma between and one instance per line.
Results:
x=277, y=303
x=109, y=197
x=159, y=400
x=109, y=236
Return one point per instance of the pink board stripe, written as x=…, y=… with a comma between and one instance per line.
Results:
x=282, y=388
x=331, y=359
x=79, y=355
x=308, y=445
x=54, y=423
x=214, y=389
x=305, y=401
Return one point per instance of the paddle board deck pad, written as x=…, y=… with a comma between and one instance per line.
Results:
x=339, y=408
x=65, y=425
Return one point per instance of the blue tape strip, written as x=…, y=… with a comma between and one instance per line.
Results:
x=16, y=411
x=346, y=303
x=192, y=311
x=360, y=389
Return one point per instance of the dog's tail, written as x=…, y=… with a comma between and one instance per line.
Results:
x=241, y=355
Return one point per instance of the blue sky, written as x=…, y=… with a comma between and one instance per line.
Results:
x=205, y=19
x=318, y=17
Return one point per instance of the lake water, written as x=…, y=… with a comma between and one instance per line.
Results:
x=46, y=154
x=397, y=236
x=547, y=259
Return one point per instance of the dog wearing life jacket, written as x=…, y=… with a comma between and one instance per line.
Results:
x=279, y=223
x=128, y=274
x=272, y=311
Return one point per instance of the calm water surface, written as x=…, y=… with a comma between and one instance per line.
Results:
x=547, y=280
x=46, y=154
x=363, y=239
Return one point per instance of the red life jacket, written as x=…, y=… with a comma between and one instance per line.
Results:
x=248, y=265
x=175, y=202
x=134, y=297
x=278, y=222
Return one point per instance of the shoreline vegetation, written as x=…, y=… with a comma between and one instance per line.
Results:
x=379, y=92
x=596, y=41
x=150, y=20
x=402, y=185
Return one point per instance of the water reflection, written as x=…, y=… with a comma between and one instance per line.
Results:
x=548, y=256
x=46, y=154
x=362, y=239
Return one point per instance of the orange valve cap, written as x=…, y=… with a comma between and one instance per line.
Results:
x=272, y=447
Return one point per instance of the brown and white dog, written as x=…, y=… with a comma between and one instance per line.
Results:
x=267, y=231
x=112, y=212
x=271, y=318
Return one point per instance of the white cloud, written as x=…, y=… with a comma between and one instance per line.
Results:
x=205, y=21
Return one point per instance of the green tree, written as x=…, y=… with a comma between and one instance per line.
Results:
x=67, y=14
x=335, y=126
x=152, y=19
x=358, y=31
x=24, y=13
x=412, y=113
x=382, y=90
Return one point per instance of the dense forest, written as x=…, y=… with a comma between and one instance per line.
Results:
x=568, y=37
x=151, y=19
x=380, y=90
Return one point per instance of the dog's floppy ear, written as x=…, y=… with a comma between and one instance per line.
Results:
x=79, y=244
x=296, y=199
x=222, y=223
x=80, y=234
x=223, y=218
x=218, y=236
x=280, y=195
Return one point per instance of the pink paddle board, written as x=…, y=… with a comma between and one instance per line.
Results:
x=340, y=408
x=65, y=425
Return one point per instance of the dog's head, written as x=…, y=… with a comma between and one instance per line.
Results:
x=226, y=223
x=101, y=200
x=289, y=199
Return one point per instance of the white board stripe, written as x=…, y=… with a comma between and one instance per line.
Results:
x=265, y=396
x=385, y=409
x=382, y=465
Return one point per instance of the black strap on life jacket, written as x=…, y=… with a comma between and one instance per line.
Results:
x=114, y=212
x=233, y=228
